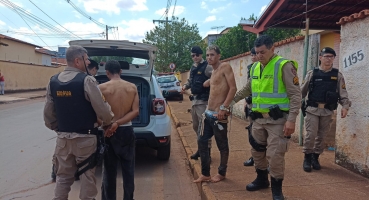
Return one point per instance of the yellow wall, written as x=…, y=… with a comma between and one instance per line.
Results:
x=327, y=40
x=19, y=52
x=20, y=76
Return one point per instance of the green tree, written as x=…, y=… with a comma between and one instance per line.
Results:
x=174, y=42
x=235, y=42
x=238, y=41
x=99, y=59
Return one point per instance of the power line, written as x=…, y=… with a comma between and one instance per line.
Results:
x=32, y=30
x=90, y=18
x=84, y=14
x=8, y=19
x=34, y=19
x=340, y=11
x=300, y=14
x=54, y=20
x=174, y=8
x=50, y=35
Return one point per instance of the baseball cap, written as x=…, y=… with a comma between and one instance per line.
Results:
x=196, y=49
x=327, y=50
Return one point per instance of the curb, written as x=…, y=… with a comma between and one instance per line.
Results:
x=204, y=189
x=24, y=99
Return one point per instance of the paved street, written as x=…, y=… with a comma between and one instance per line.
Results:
x=27, y=146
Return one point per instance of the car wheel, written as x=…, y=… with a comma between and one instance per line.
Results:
x=181, y=97
x=163, y=153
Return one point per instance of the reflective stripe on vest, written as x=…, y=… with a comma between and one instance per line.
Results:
x=262, y=98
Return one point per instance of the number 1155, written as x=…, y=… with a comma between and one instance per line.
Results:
x=354, y=58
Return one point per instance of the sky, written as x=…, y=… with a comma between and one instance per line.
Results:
x=132, y=18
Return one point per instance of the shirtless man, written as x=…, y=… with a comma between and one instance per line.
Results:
x=222, y=89
x=123, y=99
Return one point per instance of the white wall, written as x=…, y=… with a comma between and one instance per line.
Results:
x=352, y=138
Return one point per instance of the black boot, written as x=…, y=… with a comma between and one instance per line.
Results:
x=195, y=156
x=307, y=162
x=315, y=162
x=260, y=182
x=277, y=189
x=249, y=162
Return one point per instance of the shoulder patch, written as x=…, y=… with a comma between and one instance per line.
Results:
x=296, y=80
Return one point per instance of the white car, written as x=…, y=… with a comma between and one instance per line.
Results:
x=152, y=126
x=170, y=86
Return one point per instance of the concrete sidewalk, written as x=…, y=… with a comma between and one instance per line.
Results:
x=21, y=96
x=332, y=182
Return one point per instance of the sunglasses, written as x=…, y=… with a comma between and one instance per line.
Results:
x=330, y=57
x=193, y=55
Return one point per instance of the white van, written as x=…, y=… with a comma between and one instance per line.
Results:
x=152, y=126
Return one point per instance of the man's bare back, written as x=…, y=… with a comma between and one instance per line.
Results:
x=120, y=94
x=123, y=99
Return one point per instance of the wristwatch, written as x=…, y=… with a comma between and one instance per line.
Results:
x=222, y=107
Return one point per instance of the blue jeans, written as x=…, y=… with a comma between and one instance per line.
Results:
x=121, y=148
x=211, y=128
x=2, y=85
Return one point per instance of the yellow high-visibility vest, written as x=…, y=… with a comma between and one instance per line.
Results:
x=267, y=87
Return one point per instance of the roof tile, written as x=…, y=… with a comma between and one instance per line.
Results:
x=361, y=15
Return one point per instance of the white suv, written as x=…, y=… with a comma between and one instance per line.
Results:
x=152, y=126
x=170, y=86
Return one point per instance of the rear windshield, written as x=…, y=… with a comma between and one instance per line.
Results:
x=101, y=60
x=166, y=79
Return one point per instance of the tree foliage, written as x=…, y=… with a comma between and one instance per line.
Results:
x=99, y=59
x=238, y=41
x=174, y=42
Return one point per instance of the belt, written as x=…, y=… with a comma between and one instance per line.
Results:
x=316, y=105
x=258, y=115
x=93, y=131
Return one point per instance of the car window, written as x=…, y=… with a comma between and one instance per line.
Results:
x=168, y=79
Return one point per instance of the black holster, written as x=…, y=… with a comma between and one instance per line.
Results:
x=258, y=147
x=96, y=158
x=274, y=112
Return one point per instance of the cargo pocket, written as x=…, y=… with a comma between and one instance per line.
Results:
x=284, y=145
x=86, y=146
x=61, y=148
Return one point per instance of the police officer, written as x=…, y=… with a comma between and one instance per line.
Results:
x=248, y=104
x=276, y=100
x=93, y=67
x=199, y=73
x=325, y=88
x=73, y=106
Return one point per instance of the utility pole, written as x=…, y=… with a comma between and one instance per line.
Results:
x=166, y=32
x=107, y=29
x=106, y=32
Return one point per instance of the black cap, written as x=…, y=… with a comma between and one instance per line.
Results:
x=196, y=49
x=327, y=50
x=253, y=51
x=93, y=64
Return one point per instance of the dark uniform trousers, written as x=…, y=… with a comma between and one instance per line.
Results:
x=210, y=128
x=121, y=148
